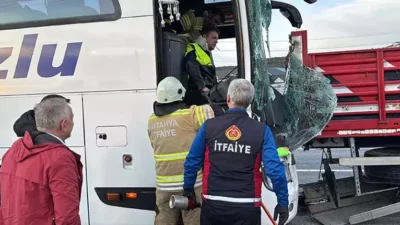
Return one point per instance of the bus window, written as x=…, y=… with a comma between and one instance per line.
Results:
x=19, y=14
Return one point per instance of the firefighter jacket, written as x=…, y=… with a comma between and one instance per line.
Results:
x=231, y=148
x=171, y=136
x=200, y=67
x=191, y=25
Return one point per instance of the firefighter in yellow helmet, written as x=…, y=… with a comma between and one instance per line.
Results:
x=171, y=129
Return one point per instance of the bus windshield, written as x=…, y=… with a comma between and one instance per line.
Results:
x=260, y=13
x=308, y=101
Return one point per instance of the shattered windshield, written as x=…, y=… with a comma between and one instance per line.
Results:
x=259, y=36
x=307, y=102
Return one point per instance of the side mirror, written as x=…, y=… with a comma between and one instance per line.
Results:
x=290, y=12
x=311, y=1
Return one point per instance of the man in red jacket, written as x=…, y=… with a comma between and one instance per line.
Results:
x=40, y=177
x=26, y=122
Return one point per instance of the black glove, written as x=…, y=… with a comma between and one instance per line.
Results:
x=189, y=193
x=283, y=214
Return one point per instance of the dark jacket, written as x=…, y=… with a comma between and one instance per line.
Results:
x=199, y=76
x=231, y=148
x=26, y=122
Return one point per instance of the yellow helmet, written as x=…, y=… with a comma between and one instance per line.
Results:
x=170, y=90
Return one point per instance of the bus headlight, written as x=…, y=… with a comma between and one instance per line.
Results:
x=267, y=181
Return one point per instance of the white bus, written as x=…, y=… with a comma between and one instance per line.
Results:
x=107, y=56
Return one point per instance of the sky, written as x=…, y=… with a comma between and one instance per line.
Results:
x=39, y=4
x=332, y=25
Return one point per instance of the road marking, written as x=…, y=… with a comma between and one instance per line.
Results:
x=316, y=170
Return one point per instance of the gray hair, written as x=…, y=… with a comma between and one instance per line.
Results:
x=241, y=93
x=49, y=112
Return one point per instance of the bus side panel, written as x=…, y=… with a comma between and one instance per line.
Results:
x=104, y=56
x=11, y=108
x=83, y=208
x=136, y=8
x=116, y=125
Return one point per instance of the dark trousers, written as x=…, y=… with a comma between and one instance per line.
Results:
x=232, y=215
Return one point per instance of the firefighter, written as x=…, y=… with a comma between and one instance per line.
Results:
x=171, y=129
x=231, y=148
x=199, y=65
x=192, y=25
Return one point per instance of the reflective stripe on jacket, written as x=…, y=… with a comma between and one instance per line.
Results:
x=189, y=22
x=233, y=200
x=192, y=25
x=171, y=137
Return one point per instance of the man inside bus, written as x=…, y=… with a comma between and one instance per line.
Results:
x=41, y=178
x=200, y=66
x=171, y=129
x=26, y=122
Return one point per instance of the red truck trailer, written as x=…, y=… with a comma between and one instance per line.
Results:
x=367, y=86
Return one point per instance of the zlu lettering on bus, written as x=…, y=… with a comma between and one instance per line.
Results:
x=45, y=67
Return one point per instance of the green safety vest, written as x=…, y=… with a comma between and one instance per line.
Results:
x=201, y=56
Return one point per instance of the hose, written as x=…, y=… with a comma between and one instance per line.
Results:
x=268, y=214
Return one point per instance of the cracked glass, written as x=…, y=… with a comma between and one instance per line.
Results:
x=260, y=12
x=307, y=103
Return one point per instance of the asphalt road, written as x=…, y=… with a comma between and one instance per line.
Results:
x=308, y=166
